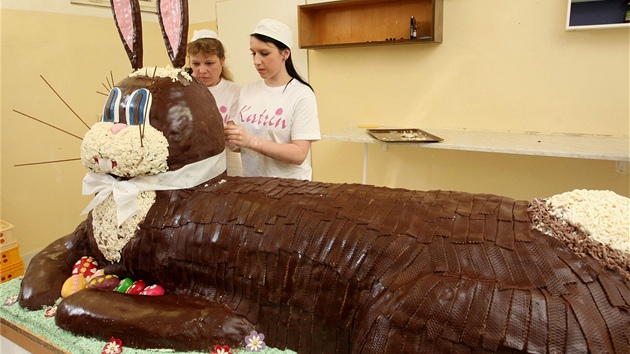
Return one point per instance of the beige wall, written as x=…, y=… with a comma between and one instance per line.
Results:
x=504, y=65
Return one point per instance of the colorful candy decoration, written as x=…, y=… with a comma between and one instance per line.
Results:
x=114, y=346
x=153, y=290
x=124, y=285
x=107, y=282
x=87, y=274
x=51, y=311
x=137, y=287
x=98, y=273
x=76, y=282
x=11, y=300
x=254, y=342
x=86, y=266
x=221, y=349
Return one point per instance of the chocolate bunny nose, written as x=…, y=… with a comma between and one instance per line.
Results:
x=118, y=127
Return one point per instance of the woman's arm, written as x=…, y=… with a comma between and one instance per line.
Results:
x=294, y=152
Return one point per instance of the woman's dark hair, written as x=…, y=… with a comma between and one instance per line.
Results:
x=289, y=62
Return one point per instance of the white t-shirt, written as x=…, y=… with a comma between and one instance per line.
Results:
x=278, y=114
x=226, y=94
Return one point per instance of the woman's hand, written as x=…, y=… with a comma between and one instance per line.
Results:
x=236, y=138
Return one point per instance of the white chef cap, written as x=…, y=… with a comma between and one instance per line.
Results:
x=204, y=33
x=276, y=30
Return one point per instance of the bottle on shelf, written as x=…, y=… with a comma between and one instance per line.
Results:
x=413, y=28
x=628, y=13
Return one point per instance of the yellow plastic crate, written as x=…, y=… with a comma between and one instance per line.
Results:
x=8, y=272
x=6, y=233
x=11, y=255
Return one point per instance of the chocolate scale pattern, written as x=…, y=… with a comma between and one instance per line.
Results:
x=326, y=268
x=347, y=268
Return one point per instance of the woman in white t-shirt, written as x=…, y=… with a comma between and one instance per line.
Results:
x=277, y=118
x=206, y=56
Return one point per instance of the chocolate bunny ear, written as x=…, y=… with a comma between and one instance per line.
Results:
x=129, y=24
x=173, y=16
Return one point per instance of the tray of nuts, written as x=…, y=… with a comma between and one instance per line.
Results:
x=408, y=135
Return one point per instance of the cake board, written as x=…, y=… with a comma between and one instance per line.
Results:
x=25, y=339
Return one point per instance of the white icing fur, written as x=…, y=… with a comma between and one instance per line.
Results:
x=132, y=157
x=110, y=238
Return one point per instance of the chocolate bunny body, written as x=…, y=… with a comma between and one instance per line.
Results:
x=316, y=267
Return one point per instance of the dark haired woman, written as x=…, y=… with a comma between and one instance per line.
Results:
x=277, y=118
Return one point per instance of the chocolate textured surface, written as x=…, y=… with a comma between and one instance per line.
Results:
x=169, y=321
x=346, y=268
x=315, y=267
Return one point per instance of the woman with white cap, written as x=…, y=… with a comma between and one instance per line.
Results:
x=206, y=57
x=277, y=119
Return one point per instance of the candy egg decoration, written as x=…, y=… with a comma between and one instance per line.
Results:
x=106, y=282
x=73, y=284
x=136, y=287
x=85, y=266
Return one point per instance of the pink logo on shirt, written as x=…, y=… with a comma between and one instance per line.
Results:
x=263, y=118
x=224, y=112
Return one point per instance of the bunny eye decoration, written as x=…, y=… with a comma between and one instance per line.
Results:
x=173, y=18
x=137, y=110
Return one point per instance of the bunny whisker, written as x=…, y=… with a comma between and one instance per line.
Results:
x=64, y=102
x=48, y=124
x=45, y=162
x=112, y=82
x=153, y=87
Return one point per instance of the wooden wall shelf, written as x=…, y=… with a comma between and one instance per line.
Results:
x=368, y=22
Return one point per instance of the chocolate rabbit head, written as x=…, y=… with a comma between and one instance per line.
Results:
x=156, y=119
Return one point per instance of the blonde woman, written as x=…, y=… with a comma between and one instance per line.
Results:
x=206, y=57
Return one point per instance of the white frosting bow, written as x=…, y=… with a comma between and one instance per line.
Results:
x=126, y=192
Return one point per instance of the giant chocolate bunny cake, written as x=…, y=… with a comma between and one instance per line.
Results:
x=316, y=267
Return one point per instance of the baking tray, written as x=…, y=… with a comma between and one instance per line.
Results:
x=407, y=135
